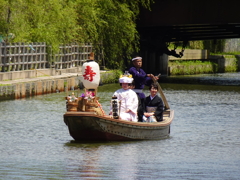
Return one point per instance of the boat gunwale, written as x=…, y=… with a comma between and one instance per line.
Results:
x=166, y=122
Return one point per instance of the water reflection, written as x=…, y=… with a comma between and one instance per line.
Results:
x=223, y=79
x=118, y=156
x=204, y=141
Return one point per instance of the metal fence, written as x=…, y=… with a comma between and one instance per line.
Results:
x=22, y=56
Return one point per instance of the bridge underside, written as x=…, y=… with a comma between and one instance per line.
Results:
x=190, y=32
x=188, y=20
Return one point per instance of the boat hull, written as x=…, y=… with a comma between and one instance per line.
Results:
x=91, y=127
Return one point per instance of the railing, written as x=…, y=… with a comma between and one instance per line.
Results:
x=72, y=55
x=21, y=56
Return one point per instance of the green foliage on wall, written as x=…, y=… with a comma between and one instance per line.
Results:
x=110, y=76
x=214, y=46
x=192, y=67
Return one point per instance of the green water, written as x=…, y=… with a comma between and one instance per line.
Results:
x=204, y=141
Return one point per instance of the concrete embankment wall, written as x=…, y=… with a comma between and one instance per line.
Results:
x=226, y=63
x=15, y=75
x=37, y=87
x=21, y=88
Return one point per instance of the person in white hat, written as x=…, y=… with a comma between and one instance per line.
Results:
x=140, y=77
x=128, y=99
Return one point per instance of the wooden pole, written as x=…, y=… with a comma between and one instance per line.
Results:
x=162, y=95
x=66, y=88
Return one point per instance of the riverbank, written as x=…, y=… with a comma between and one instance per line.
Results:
x=70, y=80
x=213, y=64
x=27, y=87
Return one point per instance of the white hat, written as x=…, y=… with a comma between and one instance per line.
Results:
x=138, y=57
x=125, y=80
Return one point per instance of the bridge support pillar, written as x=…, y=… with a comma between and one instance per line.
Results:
x=163, y=64
x=152, y=63
x=238, y=62
x=155, y=63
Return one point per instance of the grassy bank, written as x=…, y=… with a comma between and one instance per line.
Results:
x=111, y=76
x=192, y=67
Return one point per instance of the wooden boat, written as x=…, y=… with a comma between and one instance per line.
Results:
x=90, y=126
x=87, y=121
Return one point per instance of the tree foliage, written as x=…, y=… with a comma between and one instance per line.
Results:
x=108, y=24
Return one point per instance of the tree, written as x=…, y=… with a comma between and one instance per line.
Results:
x=108, y=24
x=111, y=23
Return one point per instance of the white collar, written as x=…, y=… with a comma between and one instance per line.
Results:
x=152, y=97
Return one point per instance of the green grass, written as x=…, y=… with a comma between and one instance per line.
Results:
x=5, y=84
x=186, y=63
x=225, y=53
x=192, y=67
x=111, y=76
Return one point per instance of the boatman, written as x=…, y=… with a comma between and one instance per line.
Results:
x=128, y=99
x=140, y=77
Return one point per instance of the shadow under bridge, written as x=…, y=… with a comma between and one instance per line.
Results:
x=180, y=21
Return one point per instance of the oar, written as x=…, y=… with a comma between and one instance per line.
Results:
x=161, y=93
x=66, y=88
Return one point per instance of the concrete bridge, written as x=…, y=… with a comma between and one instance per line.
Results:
x=184, y=20
x=181, y=21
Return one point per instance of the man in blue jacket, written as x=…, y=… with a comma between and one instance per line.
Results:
x=140, y=77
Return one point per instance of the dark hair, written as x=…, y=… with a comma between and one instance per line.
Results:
x=125, y=83
x=133, y=83
x=153, y=85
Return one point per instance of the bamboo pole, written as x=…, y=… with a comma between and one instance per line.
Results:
x=162, y=94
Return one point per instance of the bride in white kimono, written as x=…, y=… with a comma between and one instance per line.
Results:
x=128, y=100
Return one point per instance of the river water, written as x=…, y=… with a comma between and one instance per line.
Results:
x=204, y=142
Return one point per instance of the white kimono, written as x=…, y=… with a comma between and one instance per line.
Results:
x=129, y=100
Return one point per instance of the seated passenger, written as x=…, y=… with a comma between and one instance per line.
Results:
x=153, y=106
x=128, y=100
